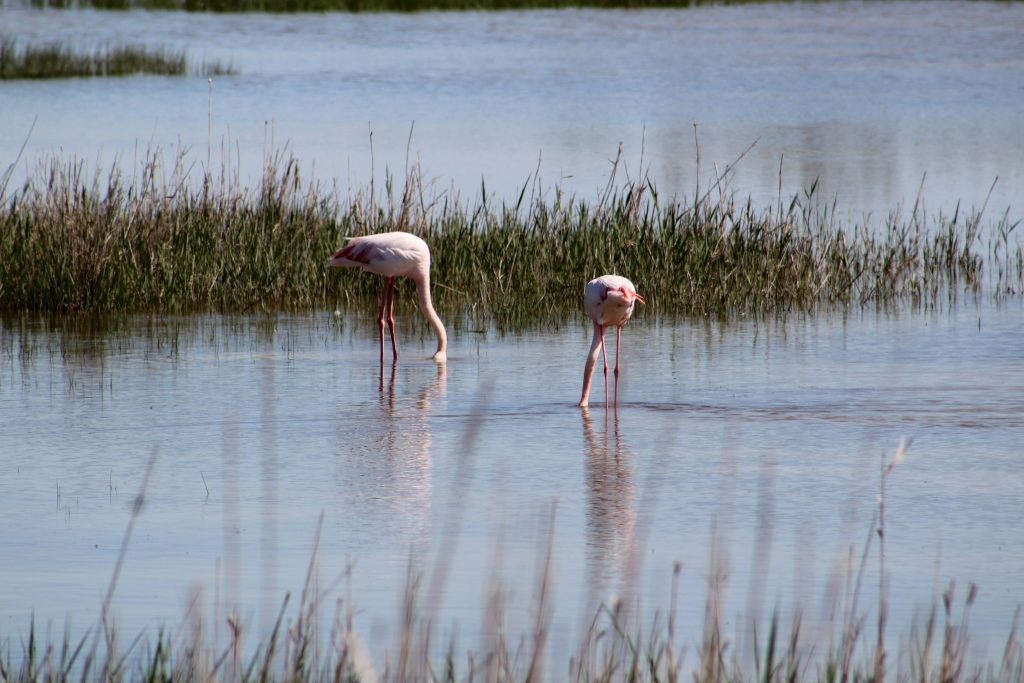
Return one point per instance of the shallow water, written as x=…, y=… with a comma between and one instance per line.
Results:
x=878, y=101
x=261, y=425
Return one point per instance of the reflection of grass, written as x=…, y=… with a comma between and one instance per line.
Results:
x=160, y=243
x=57, y=60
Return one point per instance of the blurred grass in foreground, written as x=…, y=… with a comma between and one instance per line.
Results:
x=160, y=241
x=621, y=643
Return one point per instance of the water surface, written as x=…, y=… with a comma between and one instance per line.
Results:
x=774, y=431
x=878, y=101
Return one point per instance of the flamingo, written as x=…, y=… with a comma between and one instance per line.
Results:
x=608, y=300
x=395, y=255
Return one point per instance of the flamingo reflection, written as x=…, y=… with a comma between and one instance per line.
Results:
x=389, y=468
x=610, y=505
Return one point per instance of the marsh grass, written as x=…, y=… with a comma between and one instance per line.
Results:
x=160, y=241
x=58, y=60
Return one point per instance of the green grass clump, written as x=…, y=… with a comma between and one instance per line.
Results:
x=57, y=60
x=164, y=243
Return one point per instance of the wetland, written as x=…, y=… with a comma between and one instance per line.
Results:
x=814, y=467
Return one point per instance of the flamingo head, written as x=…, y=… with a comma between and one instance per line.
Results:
x=629, y=295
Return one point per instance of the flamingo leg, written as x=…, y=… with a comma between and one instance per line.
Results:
x=391, y=319
x=604, y=356
x=588, y=370
x=618, y=340
x=381, y=319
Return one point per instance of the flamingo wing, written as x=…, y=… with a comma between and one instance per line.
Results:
x=393, y=254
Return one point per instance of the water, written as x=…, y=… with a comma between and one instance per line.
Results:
x=261, y=425
x=877, y=101
x=772, y=431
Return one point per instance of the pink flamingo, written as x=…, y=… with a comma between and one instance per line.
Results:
x=395, y=255
x=608, y=300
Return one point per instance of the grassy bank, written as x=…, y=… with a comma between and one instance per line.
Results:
x=57, y=60
x=158, y=241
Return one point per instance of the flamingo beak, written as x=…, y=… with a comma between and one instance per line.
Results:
x=639, y=298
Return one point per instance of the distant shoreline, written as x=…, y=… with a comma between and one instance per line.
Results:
x=357, y=6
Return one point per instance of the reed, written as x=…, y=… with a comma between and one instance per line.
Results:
x=160, y=241
x=58, y=60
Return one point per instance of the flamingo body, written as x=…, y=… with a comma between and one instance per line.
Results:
x=394, y=255
x=608, y=300
x=391, y=254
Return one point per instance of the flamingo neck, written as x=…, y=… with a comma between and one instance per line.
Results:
x=427, y=308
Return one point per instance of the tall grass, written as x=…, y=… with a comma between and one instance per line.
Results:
x=58, y=60
x=160, y=241
x=614, y=649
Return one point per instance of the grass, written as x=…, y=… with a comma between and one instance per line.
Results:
x=619, y=645
x=58, y=60
x=163, y=241
x=614, y=649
